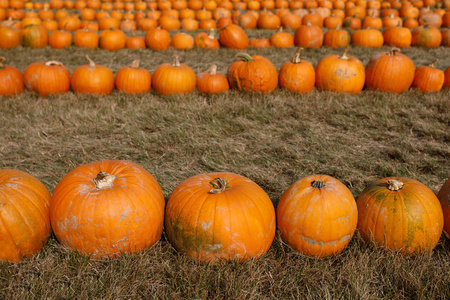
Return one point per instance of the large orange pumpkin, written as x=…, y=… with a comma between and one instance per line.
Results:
x=317, y=215
x=47, y=78
x=133, y=80
x=11, y=80
x=174, y=78
x=252, y=74
x=25, y=225
x=217, y=216
x=92, y=79
x=106, y=208
x=234, y=37
x=444, y=198
x=400, y=214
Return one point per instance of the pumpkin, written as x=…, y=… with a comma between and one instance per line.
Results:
x=269, y=21
x=445, y=33
x=34, y=36
x=133, y=80
x=112, y=39
x=174, y=78
x=336, y=38
x=234, y=37
x=340, y=74
x=107, y=208
x=11, y=80
x=86, y=39
x=367, y=38
x=252, y=74
x=182, y=41
x=25, y=226
x=206, y=41
x=247, y=21
x=260, y=43
x=297, y=75
x=400, y=214
x=390, y=71
x=447, y=78
x=9, y=37
x=399, y=37
x=308, y=36
x=444, y=198
x=92, y=79
x=60, y=39
x=317, y=216
x=135, y=42
x=212, y=82
x=47, y=78
x=426, y=36
x=157, y=39
x=282, y=39
x=291, y=21
x=428, y=78
x=220, y=216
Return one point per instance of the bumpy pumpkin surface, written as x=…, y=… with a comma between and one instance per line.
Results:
x=317, y=215
x=106, y=208
x=444, y=198
x=400, y=214
x=24, y=215
x=218, y=216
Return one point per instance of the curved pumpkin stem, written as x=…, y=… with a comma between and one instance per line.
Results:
x=338, y=26
x=394, y=51
x=53, y=63
x=318, y=184
x=395, y=185
x=432, y=64
x=297, y=59
x=212, y=70
x=104, y=180
x=91, y=62
x=212, y=33
x=135, y=64
x=308, y=23
x=219, y=185
x=344, y=55
x=244, y=56
x=280, y=29
x=176, y=61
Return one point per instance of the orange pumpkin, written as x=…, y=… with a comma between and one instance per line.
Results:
x=11, y=80
x=206, y=41
x=399, y=37
x=47, y=78
x=428, y=78
x=175, y=78
x=400, y=214
x=426, y=36
x=336, y=38
x=297, y=76
x=260, y=43
x=317, y=216
x=25, y=226
x=220, y=216
x=133, y=80
x=92, y=79
x=444, y=198
x=234, y=37
x=60, y=39
x=34, y=36
x=112, y=40
x=126, y=218
x=252, y=74
x=390, y=71
x=282, y=39
x=9, y=37
x=308, y=36
x=372, y=38
x=86, y=39
x=212, y=82
x=182, y=41
x=157, y=39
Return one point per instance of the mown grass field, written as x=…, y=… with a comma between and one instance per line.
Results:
x=272, y=139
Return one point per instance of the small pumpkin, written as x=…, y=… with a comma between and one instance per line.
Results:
x=252, y=74
x=282, y=39
x=399, y=37
x=9, y=37
x=308, y=36
x=182, y=41
x=220, y=216
x=400, y=214
x=34, y=36
x=92, y=79
x=342, y=73
x=11, y=80
x=444, y=198
x=206, y=41
x=259, y=43
x=112, y=39
x=135, y=42
x=133, y=80
x=212, y=82
x=426, y=36
x=47, y=78
x=336, y=38
x=371, y=38
x=174, y=78
x=428, y=78
x=157, y=39
x=25, y=226
x=297, y=75
x=86, y=38
x=317, y=216
x=60, y=39
x=107, y=208
x=234, y=37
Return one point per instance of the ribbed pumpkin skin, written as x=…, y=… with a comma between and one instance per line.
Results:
x=11, y=80
x=444, y=198
x=234, y=37
x=297, y=75
x=126, y=217
x=428, y=79
x=238, y=223
x=47, y=78
x=317, y=222
x=9, y=37
x=409, y=220
x=92, y=79
x=157, y=39
x=133, y=80
x=24, y=210
x=34, y=36
x=253, y=74
x=336, y=38
x=173, y=79
x=342, y=74
x=390, y=72
x=397, y=37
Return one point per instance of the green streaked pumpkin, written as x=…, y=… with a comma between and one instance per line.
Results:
x=400, y=214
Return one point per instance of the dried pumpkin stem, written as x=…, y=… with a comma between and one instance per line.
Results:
x=394, y=51
x=338, y=26
x=318, y=184
x=432, y=64
x=394, y=185
x=244, y=56
x=297, y=59
x=219, y=185
x=135, y=64
x=91, y=62
x=213, y=70
x=104, y=180
x=176, y=61
x=344, y=55
x=53, y=63
x=212, y=33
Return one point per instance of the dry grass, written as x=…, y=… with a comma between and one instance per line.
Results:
x=272, y=139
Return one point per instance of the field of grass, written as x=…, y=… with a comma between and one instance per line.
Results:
x=272, y=139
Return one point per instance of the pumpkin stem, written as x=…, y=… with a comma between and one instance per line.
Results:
x=318, y=184
x=91, y=62
x=104, y=180
x=297, y=59
x=280, y=29
x=219, y=185
x=432, y=64
x=344, y=55
x=338, y=26
x=53, y=63
x=308, y=23
x=244, y=56
x=176, y=61
x=395, y=185
x=394, y=51
x=213, y=70
x=135, y=64
x=212, y=33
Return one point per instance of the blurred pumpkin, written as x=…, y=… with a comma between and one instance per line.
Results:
x=11, y=80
